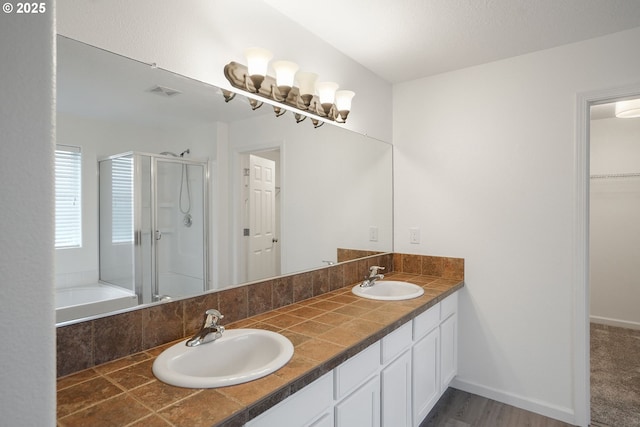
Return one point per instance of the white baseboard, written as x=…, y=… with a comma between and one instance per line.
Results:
x=615, y=322
x=566, y=415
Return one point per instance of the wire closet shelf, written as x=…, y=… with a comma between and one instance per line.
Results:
x=616, y=175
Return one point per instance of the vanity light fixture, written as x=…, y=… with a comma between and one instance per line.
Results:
x=290, y=89
x=285, y=74
x=257, y=62
x=327, y=95
x=343, y=102
x=628, y=109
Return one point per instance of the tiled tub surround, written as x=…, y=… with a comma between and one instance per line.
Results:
x=326, y=330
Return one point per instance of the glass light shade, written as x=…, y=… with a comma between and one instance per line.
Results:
x=285, y=72
x=343, y=100
x=628, y=109
x=306, y=82
x=257, y=60
x=326, y=92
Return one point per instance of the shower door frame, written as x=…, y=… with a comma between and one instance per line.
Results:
x=155, y=291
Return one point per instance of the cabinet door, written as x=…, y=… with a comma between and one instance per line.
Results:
x=425, y=371
x=449, y=350
x=395, y=388
x=361, y=408
x=325, y=420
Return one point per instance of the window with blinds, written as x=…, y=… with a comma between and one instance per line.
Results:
x=68, y=177
x=122, y=200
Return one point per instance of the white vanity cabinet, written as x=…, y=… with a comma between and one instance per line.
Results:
x=434, y=355
x=425, y=358
x=395, y=377
x=448, y=340
x=357, y=390
x=361, y=408
x=323, y=420
x=394, y=382
x=311, y=406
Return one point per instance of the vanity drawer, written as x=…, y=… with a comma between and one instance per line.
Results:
x=356, y=370
x=448, y=306
x=396, y=342
x=426, y=321
x=300, y=408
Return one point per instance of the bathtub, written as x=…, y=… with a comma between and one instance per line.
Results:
x=78, y=302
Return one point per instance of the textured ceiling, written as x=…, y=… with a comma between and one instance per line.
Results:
x=402, y=40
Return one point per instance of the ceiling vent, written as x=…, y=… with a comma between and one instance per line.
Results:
x=164, y=91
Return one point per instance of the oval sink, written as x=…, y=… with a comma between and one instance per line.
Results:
x=239, y=356
x=390, y=290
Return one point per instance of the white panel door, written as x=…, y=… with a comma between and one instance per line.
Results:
x=449, y=351
x=262, y=221
x=325, y=420
x=395, y=387
x=426, y=381
x=361, y=408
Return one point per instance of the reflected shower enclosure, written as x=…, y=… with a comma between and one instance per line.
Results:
x=153, y=225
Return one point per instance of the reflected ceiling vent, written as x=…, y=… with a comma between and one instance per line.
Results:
x=164, y=91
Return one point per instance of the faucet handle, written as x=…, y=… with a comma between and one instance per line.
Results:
x=214, y=312
x=374, y=269
x=212, y=317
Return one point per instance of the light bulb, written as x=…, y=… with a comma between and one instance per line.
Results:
x=285, y=74
x=257, y=63
x=306, y=85
x=343, y=102
x=326, y=94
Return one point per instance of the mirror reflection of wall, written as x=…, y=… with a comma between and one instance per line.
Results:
x=331, y=186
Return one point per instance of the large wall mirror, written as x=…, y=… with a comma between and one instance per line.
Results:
x=164, y=190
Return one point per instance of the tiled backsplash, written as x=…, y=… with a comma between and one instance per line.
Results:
x=93, y=342
x=447, y=268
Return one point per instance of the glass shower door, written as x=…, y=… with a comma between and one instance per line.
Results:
x=180, y=236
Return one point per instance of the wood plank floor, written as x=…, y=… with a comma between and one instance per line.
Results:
x=461, y=409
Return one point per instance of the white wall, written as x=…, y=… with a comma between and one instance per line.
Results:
x=330, y=178
x=27, y=377
x=198, y=38
x=484, y=166
x=614, y=226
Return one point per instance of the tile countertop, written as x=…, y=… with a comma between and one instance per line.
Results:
x=325, y=330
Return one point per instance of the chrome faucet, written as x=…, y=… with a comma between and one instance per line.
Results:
x=373, y=276
x=210, y=330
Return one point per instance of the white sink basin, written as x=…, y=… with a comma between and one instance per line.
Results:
x=239, y=356
x=389, y=290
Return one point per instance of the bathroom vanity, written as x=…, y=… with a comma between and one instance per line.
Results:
x=394, y=382
x=356, y=362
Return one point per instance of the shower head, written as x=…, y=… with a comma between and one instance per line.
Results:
x=169, y=153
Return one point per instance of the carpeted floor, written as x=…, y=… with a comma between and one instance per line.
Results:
x=615, y=376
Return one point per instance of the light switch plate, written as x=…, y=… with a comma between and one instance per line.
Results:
x=373, y=234
x=414, y=236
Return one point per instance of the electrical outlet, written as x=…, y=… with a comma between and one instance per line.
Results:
x=414, y=236
x=373, y=234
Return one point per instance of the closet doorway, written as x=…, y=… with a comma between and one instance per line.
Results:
x=614, y=266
